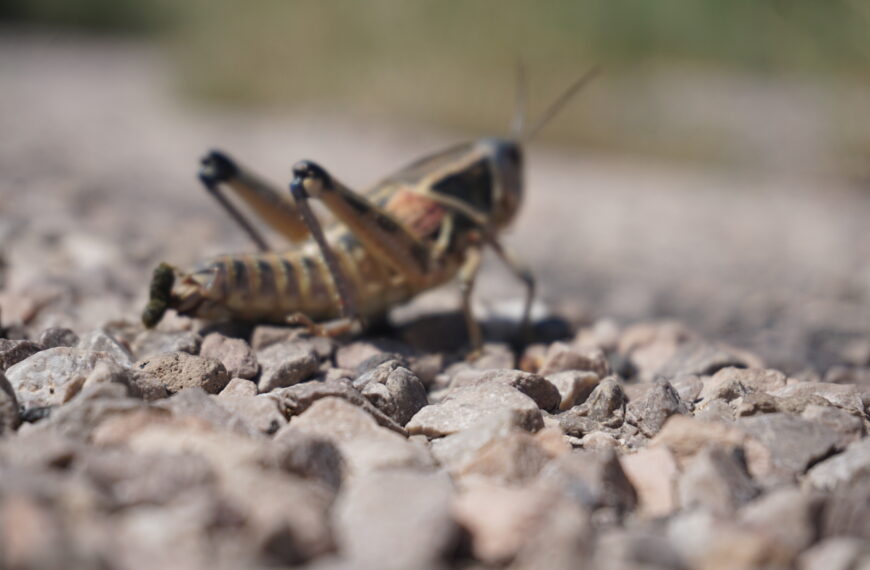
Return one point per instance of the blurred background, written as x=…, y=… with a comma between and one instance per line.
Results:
x=718, y=172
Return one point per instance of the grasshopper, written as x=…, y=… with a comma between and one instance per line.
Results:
x=414, y=230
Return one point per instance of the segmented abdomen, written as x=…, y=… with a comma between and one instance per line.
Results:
x=272, y=286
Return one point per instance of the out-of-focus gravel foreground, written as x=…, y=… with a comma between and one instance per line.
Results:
x=698, y=397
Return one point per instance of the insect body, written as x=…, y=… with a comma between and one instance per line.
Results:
x=413, y=231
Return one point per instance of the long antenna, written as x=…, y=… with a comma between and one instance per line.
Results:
x=519, y=122
x=557, y=105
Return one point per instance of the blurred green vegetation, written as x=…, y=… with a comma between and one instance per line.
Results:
x=453, y=62
x=100, y=16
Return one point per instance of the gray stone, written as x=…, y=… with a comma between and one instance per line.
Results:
x=294, y=400
x=692, y=532
x=594, y=479
x=561, y=356
x=152, y=532
x=179, y=370
x=605, y=407
x=45, y=540
x=267, y=335
x=491, y=356
x=536, y=387
x=351, y=355
x=14, y=351
x=394, y=390
x=845, y=511
x=196, y=403
x=843, y=396
x=134, y=479
x=309, y=456
x=79, y=418
x=604, y=334
x=636, y=390
x=606, y=403
x=848, y=426
x=239, y=387
x=701, y=358
x=653, y=473
x=396, y=520
x=757, y=403
x=843, y=469
x=101, y=341
x=649, y=346
x=494, y=356
x=794, y=443
x=858, y=375
x=463, y=408
x=635, y=548
x=715, y=411
x=145, y=386
x=286, y=518
x=716, y=479
x=754, y=379
x=787, y=515
x=57, y=336
x=598, y=441
x=285, y=364
x=514, y=459
x=686, y=436
x=427, y=367
x=234, y=353
x=455, y=451
x=657, y=405
x=579, y=426
x=364, y=444
x=561, y=538
x=9, y=418
x=152, y=342
x=502, y=519
x=689, y=387
x=533, y=357
x=574, y=387
x=260, y=412
x=723, y=387
x=39, y=450
x=196, y=426
x=105, y=372
x=53, y=376
x=835, y=553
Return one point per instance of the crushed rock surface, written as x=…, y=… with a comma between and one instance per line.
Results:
x=615, y=440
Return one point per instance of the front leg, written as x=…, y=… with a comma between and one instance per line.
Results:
x=458, y=208
x=467, y=278
x=524, y=275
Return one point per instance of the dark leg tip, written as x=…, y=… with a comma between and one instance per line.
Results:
x=308, y=170
x=217, y=167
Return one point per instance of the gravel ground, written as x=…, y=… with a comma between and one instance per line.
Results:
x=697, y=397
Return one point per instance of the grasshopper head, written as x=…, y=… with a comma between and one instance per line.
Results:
x=505, y=158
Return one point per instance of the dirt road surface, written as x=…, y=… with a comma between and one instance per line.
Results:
x=97, y=163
